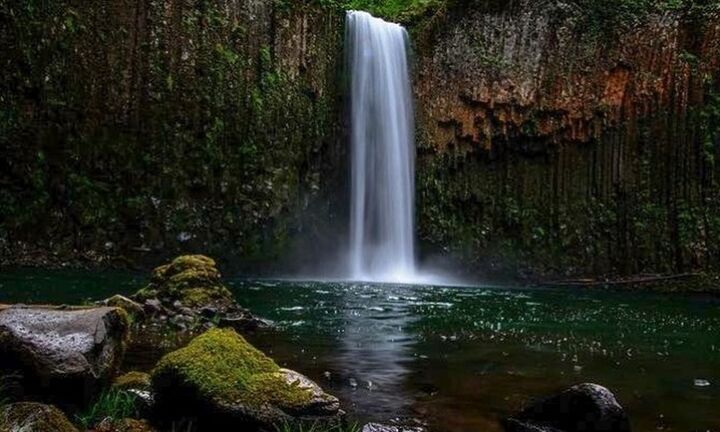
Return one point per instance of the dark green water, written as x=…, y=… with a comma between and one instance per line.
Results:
x=462, y=358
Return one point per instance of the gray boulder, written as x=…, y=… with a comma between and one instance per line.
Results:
x=62, y=355
x=584, y=407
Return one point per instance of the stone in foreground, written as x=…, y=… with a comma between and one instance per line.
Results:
x=62, y=355
x=581, y=408
x=224, y=382
x=33, y=417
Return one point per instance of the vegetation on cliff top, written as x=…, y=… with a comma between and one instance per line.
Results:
x=600, y=16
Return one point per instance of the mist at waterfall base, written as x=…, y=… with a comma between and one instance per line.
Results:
x=382, y=151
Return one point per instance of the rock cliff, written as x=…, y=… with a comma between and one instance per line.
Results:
x=570, y=137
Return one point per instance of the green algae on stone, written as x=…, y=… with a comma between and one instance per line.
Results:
x=34, y=417
x=132, y=380
x=222, y=366
x=194, y=280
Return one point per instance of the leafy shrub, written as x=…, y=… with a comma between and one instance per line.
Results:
x=113, y=404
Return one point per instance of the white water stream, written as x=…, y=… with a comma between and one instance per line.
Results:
x=382, y=227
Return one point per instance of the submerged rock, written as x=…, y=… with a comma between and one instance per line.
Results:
x=33, y=417
x=581, y=408
x=188, y=293
x=63, y=355
x=223, y=381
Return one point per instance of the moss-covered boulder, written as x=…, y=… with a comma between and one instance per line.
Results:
x=64, y=356
x=223, y=381
x=124, y=425
x=33, y=417
x=193, y=280
x=188, y=293
x=133, y=380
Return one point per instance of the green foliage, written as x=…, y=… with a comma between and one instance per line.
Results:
x=317, y=426
x=610, y=17
x=709, y=119
x=112, y=404
x=395, y=10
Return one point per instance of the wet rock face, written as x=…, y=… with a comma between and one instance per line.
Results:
x=224, y=382
x=159, y=64
x=537, y=70
x=63, y=354
x=552, y=138
x=581, y=408
x=33, y=417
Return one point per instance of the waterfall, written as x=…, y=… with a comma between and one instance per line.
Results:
x=382, y=232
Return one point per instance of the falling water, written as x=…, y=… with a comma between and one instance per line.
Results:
x=383, y=167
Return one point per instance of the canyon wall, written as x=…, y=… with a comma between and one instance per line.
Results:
x=570, y=138
x=555, y=137
x=143, y=128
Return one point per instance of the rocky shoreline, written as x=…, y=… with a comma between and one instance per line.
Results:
x=63, y=369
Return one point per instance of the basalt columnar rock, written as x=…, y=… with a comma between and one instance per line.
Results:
x=62, y=355
x=211, y=127
x=33, y=417
x=581, y=408
x=224, y=382
x=188, y=293
x=570, y=137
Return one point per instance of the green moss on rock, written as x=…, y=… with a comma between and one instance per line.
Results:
x=35, y=417
x=132, y=380
x=223, y=367
x=194, y=280
x=124, y=425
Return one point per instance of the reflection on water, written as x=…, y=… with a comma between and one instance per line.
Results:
x=462, y=358
x=465, y=357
